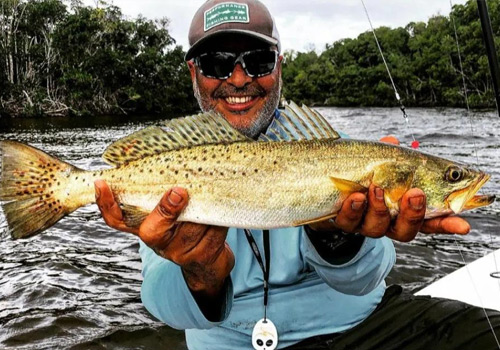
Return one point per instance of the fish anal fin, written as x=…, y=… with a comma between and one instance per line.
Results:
x=313, y=221
x=133, y=216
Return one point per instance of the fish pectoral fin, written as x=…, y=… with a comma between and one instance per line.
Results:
x=133, y=216
x=395, y=179
x=347, y=187
x=313, y=221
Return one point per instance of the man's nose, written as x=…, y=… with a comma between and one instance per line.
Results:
x=239, y=78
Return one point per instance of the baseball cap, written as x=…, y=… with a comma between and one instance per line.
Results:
x=221, y=17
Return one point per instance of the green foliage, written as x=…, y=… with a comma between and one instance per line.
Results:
x=61, y=61
x=81, y=60
x=422, y=57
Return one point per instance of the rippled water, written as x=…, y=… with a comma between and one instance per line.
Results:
x=77, y=286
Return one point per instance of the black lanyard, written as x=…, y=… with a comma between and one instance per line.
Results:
x=258, y=256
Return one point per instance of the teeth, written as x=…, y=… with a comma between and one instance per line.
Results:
x=234, y=100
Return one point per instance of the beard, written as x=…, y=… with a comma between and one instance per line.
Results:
x=264, y=115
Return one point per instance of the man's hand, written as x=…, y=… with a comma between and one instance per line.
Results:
x=369, y=216
x=201, y=251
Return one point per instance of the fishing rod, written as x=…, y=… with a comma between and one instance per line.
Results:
x=489, y=42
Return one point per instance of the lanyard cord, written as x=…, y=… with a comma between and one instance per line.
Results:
x=258, y=256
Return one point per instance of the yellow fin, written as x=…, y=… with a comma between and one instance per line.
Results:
x=30, y=188
x=313, y=221
x=201, y=129
x=395, y=178
x=347, y=187
x=133, y=216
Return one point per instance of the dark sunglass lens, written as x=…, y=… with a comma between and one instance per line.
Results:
x=217, y=64
x=260, y=62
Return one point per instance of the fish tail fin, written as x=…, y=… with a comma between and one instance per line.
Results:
x=31, y=187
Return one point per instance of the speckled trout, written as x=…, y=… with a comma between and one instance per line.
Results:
x=299, y=172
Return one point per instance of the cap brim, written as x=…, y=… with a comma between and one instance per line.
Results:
x=192, y=52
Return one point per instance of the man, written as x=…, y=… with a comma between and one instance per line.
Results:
x=326, y=280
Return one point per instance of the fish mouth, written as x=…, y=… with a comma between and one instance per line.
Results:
x=478, y=202
x=466, y=199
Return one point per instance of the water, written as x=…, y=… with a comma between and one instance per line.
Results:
x=77, y=286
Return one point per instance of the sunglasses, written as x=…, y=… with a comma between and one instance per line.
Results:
x=220, y=65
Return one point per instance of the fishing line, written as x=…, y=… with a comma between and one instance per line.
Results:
x=464, y=83
x=415, y=144
x=459, y=58
x=493, y=274
x=476, y=291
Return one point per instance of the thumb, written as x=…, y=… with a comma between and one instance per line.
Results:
x=154, y=228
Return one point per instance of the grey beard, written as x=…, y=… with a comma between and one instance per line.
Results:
x=262, y=121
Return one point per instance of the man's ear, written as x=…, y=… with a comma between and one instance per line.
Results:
x=278, y=64
x=192, y=69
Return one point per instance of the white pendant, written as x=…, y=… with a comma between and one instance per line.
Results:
x=264, y=335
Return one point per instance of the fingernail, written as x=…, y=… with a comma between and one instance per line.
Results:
x=97, y=192
x=417, y=203
x=379, y=193
x=174, y=198
x=357, y=205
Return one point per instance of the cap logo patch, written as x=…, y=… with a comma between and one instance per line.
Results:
x=226, y=12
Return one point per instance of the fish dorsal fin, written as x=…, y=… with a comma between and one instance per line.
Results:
x=200, y=129
x=299, y=123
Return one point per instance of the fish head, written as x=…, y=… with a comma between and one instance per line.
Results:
x=451, y=187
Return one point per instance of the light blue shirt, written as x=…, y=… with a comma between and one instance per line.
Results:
x=307, y=295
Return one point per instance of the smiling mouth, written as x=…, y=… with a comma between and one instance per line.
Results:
x=233, y=100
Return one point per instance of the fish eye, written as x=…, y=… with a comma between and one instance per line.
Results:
x=454, y=174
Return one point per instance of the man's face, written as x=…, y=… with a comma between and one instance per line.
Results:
x=247, y=103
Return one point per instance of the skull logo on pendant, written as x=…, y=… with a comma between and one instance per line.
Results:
x=265, y=335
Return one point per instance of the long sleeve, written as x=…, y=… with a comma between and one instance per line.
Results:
x=361, y=274
x=166, y=295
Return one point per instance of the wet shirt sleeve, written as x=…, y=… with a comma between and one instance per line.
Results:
x=365, y=269
x=166, y=296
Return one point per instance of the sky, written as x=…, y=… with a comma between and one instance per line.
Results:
x=303, y=25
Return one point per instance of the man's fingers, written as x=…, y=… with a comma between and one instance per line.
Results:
x=154, y=228
x=351, y=213
x=447, y=225
x=411, y=216
x=110, y=209
x=377, y=219
x=209, y=246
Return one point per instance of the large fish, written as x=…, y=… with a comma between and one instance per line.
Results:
x=299, y=172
